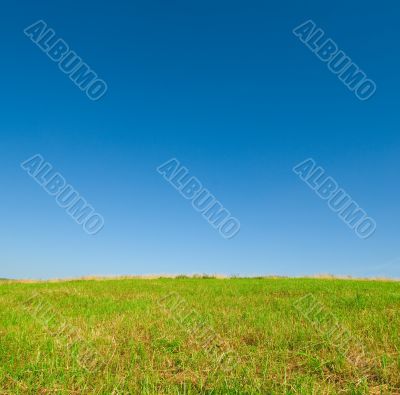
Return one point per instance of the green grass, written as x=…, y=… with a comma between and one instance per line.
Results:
x=141, y=348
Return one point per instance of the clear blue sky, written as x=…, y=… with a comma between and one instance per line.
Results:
x=226, y=88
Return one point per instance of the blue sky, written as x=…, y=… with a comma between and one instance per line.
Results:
x=227, y=89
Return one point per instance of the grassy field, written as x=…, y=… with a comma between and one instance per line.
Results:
x=193, y=335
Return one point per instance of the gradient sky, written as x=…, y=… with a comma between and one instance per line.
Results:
x=226, y=88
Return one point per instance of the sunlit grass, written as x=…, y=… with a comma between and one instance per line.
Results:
x=143, y=349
